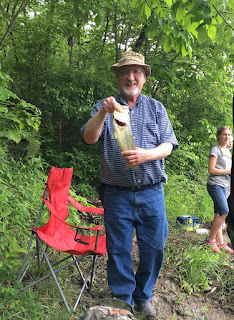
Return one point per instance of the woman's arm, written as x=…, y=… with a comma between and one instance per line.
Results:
x=213, y=170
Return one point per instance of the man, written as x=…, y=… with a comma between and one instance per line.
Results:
x=133, y=199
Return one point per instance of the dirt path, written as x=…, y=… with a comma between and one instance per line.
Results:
x=171, y=302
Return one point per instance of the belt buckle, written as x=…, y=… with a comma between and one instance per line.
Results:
x=134, y=189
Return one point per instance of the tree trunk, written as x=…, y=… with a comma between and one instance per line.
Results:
x=141, y=39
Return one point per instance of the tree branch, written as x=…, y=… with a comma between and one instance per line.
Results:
x=12, y=22
x=151, y=8
x=219, y=13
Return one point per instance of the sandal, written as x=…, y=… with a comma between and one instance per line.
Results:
x=225, y=247
x=213, y=245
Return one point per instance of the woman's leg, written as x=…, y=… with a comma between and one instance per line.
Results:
x=216, y=231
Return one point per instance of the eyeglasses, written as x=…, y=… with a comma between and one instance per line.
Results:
x=126, y=72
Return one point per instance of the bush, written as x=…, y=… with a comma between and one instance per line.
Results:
x=186, y=197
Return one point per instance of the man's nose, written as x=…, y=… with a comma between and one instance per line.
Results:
x=131, y=75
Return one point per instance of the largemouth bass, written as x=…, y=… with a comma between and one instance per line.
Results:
x=122, y=131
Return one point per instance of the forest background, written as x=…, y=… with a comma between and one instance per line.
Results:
x=54, y=66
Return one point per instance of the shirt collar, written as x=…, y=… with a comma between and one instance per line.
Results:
x=119, y=98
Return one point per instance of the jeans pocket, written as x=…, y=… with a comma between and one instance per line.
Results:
x=158, y=186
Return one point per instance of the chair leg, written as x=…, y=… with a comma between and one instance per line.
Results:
x=92, y=272
x=87, y=282
x=86, y=285
x=54, y=276
x=78, y=267
x=20, y=277
x=82, y=290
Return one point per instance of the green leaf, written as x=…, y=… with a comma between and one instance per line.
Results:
x=98, y=20
x=169, y=2
x=12, y=305
x=198, y=17
x=212, y=32
x=174, y=27
x=183, y=51
x=22, y=250
x=159, y=11
x=151, y=33
x=162, y=23
x=180, y=13
x=225, y=3
x=147, y=11
x=184, y=35
x=194, y=26
x=5, y=94
x=3, y=109
x=13, y=246
x=206, y=11
x=135, y=3
x=6, y=213
x=14, y=135
x=177, y=45
x=202, y=35
x=166, y=43
x=190, y=52
x=219, y=19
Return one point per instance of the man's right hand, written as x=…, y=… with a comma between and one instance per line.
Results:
x=110, y=105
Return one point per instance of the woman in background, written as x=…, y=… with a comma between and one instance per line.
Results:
x=219, y=169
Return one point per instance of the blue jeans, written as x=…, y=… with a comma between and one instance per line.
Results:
x=144, y=211
x=219, y=197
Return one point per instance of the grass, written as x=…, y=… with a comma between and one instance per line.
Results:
x=188, y=262
x=194, y=267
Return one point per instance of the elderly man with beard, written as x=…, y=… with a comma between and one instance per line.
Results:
x=133, y=199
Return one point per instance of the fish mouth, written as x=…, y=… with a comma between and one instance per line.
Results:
x=119, y=123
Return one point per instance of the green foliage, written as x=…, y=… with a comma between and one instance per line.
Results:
x=59, y=57
x=22, y=183
x=85, y=168
x=199, y=268
x=187, y=197
x=19, y=195
x=182, y=23
x=19, y=120
x=59, y=54
x=196, y=268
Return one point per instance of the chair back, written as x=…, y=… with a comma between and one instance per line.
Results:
x=58, y=185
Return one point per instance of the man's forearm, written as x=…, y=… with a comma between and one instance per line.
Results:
x=94, y=126
x=160, y=152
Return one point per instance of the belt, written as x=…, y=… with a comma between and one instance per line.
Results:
x=135, y=189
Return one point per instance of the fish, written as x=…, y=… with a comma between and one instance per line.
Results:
x=123, y=132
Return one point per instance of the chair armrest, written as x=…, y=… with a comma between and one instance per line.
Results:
x=80, y=207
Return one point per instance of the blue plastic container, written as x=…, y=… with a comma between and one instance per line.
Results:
x=184, y=220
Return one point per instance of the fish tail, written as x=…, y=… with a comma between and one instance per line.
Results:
x=135, y=168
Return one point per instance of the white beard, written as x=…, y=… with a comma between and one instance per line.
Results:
x=130, y=93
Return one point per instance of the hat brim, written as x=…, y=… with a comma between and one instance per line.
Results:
x=129, y=63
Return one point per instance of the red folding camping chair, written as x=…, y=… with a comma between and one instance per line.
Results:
x=62, y=236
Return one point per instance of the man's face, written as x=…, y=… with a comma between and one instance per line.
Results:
x=130, y=80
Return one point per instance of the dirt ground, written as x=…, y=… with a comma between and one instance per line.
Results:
x=170, y=301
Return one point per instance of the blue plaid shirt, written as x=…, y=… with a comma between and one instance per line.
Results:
x=150, y=127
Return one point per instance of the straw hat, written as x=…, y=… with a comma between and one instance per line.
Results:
x=129, y=58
